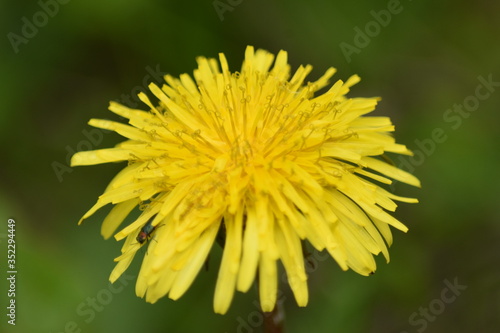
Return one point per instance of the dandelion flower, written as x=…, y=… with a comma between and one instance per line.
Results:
x=256, y=156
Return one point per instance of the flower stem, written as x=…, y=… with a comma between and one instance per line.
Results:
x=274, y=321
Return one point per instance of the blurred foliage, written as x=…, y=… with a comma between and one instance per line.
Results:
x=424, y=61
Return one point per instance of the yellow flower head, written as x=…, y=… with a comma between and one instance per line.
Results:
x=256, y=157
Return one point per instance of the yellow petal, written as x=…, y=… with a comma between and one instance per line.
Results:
x=99, y=156
x=228, y=271
x=116, y=216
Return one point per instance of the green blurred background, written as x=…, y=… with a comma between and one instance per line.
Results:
x=422, y=61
